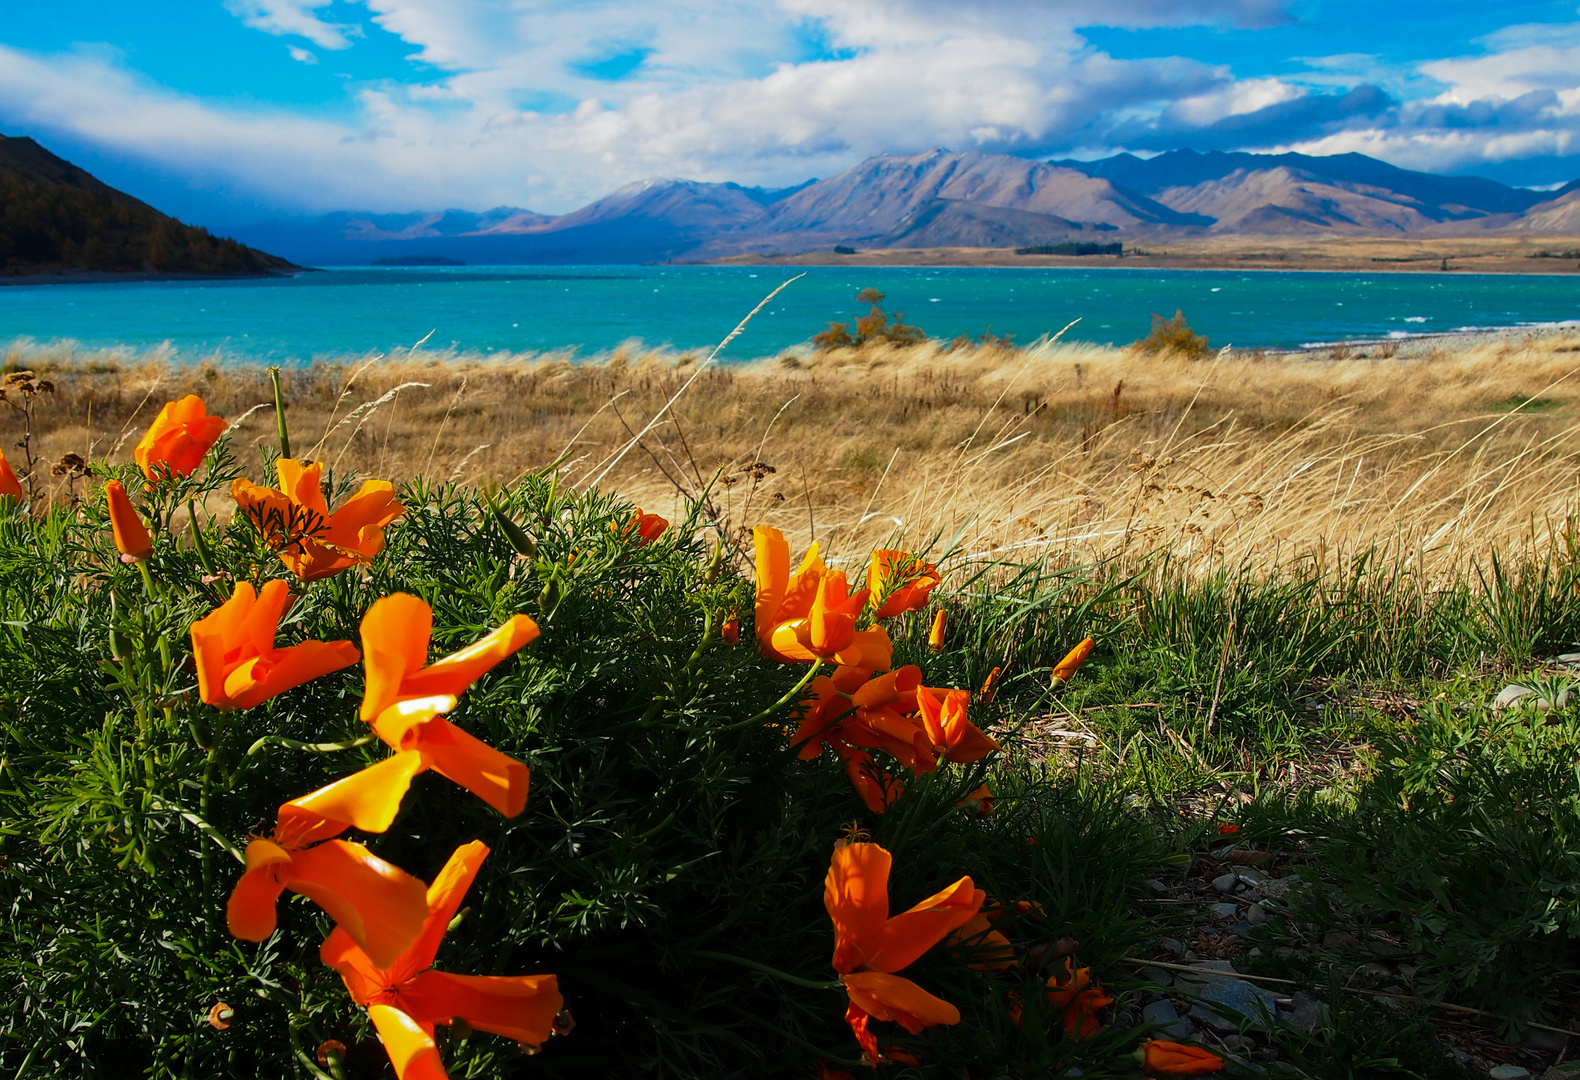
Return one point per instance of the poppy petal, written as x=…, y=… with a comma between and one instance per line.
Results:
x=364, y=981
x=454, y=673
x=250, y=910
x=904, y=938
x=261, y=678
x=368, y=800
x=893, y=997
x=358, y=523
x=379, y=905
x=773, y=573
x=519, y=1007
x=856, y=895
x=410, y=1048
x=498, y=779
x=395, y=635
x=303, y=484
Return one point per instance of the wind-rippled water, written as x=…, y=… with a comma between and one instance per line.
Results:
x=592, y=309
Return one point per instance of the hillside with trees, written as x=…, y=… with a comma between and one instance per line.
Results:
x=56, y=218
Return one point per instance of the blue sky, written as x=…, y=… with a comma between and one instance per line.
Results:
x=224, y=111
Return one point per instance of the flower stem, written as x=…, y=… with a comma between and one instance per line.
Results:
x=790, y=696
x=766, y=970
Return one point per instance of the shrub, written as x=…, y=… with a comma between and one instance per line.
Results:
x=1172, y=336
x=668, y=866
x=871, y=327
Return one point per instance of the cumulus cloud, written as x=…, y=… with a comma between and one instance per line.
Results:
x=301, y=55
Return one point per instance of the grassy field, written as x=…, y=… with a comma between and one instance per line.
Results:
x=1308, y=578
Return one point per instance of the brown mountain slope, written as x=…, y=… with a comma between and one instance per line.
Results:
x=56, y=218
x=874, y=198
x=1282, y=200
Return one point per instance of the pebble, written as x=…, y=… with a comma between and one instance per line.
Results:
x=1169, y=1023
x=1155, y=885
x=1223, y=911
x=1509, y=1072
x=1257, y=915
x=1511, y=694
x=1157, y=976
x=1226, y=882
x=1227, y=1004
x=1173, y=946
x=1278, y=888
x=1309, y=1013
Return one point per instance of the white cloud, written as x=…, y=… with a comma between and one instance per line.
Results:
x=294, y=18
x=300, y=55
x=507, y=106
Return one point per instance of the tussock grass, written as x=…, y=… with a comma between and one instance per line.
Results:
x=1068, y=451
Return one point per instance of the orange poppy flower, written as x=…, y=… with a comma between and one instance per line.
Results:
x=811, y=615
x=1073, y=991
x=1159, y=1057
x=379, y=905
x=9, y=484
x=296, y=522
x=1065, y=670
x=396, y=632
x=878, y=790
x=237, y=664
x=979, y=802
x=956, y=737
x=646, y=527
x=869, y=945
x=987, y=948
x=935, y=636
x=898, y=582
x=405, y=998
x=177, y=440
x=731, y=632
x=131, y=535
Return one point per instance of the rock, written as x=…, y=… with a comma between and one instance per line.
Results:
x=1563, y=1072
x=1509, y=1072
x=1278, y=888
x=1155, y=885
x=1158, y=976
x=1511, y=694
x=1308, y=1014
x=1255, y=953
x=1169, y=1023
x=1251, y=877
x=1229, y=1004
x=1223, y=911
x=1338, y=939
x=1226, y=882
x=1256, y=915
x=1569, y=658
x=1173, y=946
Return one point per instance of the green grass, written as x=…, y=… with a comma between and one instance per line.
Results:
x=662, y=837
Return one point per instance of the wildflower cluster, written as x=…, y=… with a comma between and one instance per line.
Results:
x=295, y=604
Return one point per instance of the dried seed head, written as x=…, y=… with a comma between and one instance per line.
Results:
x=330, y=1049
x=219, y=1016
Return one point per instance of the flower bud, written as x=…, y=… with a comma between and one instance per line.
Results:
x=131, y=535
x=935, y=639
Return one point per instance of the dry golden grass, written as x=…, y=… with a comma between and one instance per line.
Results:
x=1069, y=451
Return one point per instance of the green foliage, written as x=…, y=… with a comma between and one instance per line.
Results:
x=1172, y=336
x=671, y=854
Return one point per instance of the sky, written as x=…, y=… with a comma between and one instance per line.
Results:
x=231, y=111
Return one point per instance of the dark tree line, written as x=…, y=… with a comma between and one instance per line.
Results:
x=49, y=227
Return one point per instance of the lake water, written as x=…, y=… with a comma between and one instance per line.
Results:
x=595, y=308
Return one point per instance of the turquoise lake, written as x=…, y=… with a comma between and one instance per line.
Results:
x=354, y=311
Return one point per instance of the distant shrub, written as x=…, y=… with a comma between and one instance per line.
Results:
x=871, y=327
x=841, y=249
x=1172, y=336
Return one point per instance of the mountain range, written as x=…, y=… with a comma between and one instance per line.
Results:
x=54, y=216
x=944, y=198
x=58, y=219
